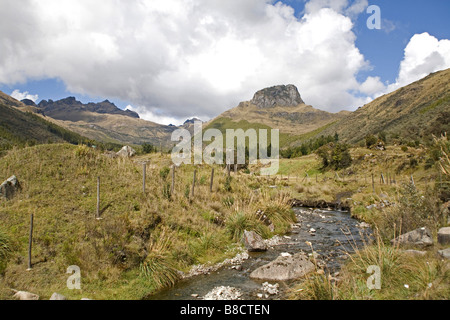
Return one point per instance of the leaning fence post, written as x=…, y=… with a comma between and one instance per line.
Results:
x=193, y=184
x=30, y=242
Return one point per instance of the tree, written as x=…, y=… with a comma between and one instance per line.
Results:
x=370, y=140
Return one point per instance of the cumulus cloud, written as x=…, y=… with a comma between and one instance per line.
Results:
x=424, y=54
x=16, y=94
x=172, y=59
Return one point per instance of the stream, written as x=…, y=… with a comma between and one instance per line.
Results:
x=336, y=233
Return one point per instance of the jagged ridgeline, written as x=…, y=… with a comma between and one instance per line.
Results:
x=20, y=127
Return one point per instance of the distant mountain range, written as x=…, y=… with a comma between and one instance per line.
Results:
x=413, y=112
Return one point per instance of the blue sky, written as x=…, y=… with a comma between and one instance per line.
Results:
x=169, y=61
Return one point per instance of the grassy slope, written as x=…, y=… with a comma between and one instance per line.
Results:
x=59, y=187
x=413, y=112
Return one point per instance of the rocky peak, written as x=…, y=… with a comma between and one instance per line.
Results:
x=284, y=96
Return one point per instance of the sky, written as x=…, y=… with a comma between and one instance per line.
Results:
x=170, y=60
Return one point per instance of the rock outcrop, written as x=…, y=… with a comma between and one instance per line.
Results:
x=9, y=188
x=284, y=96
x=284, y=268
x=418, y=238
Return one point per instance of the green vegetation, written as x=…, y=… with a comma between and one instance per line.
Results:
x=141, y=241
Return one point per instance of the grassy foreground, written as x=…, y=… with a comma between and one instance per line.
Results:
x=143, y=240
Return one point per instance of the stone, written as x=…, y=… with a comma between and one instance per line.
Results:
x=444, y=236
x=127, y=152
x=419, y=238
x=445, y=253
x=223, y=293
x=57, y=296
x=284, y=268
x=9, y=187
x=283, y=96
x=23, y=295
x=253, y=242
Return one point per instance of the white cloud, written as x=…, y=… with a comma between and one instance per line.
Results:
x=178, y=58
x=424, y=54
x=150, y=116
x=16, y=94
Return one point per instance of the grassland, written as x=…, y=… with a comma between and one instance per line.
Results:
x=142, y=239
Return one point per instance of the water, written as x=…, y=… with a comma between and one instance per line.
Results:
x=336, y=233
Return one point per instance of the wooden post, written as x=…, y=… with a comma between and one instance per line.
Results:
x=193, y=184
x=412, y=181
x=373, y=183
x=172, y=187
x=212, y=180
x=30, y=242
x=98, y=198
x=382, y=179
x=229, y=169
x=144, y=170
x=235, y=169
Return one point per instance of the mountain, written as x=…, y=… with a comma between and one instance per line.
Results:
x=20, y=125
x=72, y=110
x=414, y=112
x=103, y=122
x=279, y=107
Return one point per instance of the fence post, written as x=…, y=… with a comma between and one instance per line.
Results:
x=193, y=184
x=212, y=180
x=172, y=187
x=30, y=242
x=373, y=183
x=144, y=170
x=98, y=198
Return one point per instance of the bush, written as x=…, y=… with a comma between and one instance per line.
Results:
x=371, y=140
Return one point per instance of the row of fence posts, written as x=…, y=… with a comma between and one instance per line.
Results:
x=172, y=188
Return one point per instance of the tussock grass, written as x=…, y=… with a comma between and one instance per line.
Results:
x=121, y=256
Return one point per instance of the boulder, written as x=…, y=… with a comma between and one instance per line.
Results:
x=127, y=152
x=57, y=296
x=9, y=188
x=23, y=295
x=444, y=253
x=418, y=238
x=253, y=242
x=284, y=268
x=444, y=236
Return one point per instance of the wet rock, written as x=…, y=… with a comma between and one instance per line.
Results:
x=272, y=289
x=444, y=236
x=223, y=293
x=418, y=238
x=253, y=242
x=23, y=295
x=57, y=296
x=284, y=268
